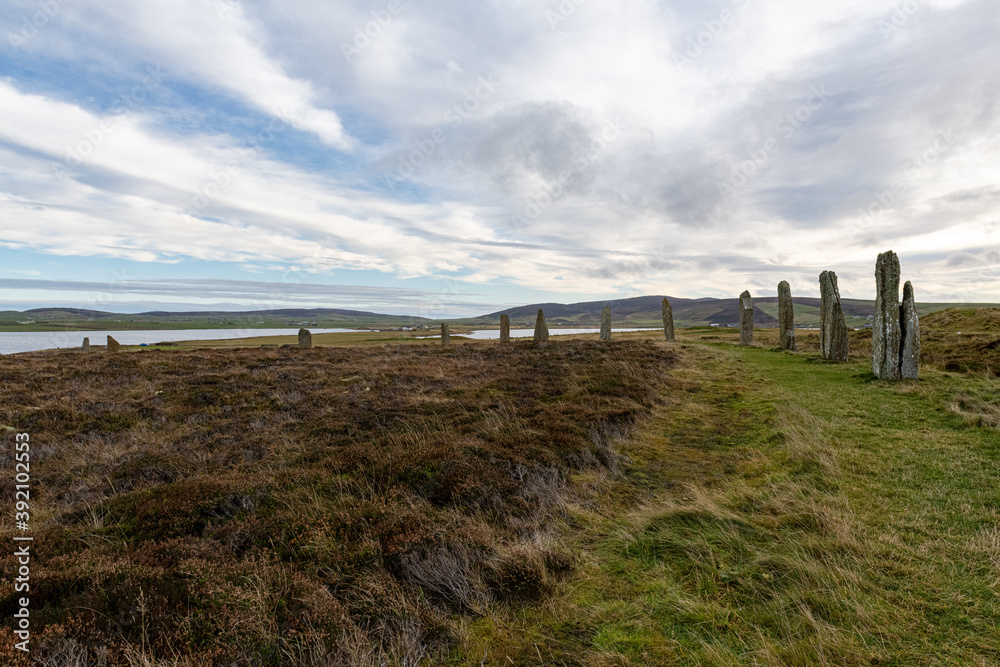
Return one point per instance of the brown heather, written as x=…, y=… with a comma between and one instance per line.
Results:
x=303, y=506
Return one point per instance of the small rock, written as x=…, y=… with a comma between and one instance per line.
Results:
x=305, y=338
x=113, y=345
x=505, y=328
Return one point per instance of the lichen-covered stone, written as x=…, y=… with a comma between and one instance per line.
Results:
x=85, y=348
x=541, y=329
x=113, y=345
x=746, y=319
x=833, y=338
x=606, y=323
x=668, y=321
x=910, y=334
x=786, y=317
x=305, y=338
x=445, y=334
x=505, y=328
x=887, y=341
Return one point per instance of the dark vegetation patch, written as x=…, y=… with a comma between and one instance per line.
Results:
x=323, y=506
x=963, y=340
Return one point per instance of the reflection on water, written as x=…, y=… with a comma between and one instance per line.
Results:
x=29, y=341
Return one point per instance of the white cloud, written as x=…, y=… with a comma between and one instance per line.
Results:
x=215, y=43
x=644, y=215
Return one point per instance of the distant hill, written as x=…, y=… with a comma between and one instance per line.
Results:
x=285, y=312
x=77, y=319
x=646, y=311
x=312, y=313
x=642, y=310
x=64, y=312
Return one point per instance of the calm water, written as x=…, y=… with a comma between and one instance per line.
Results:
x=494, y=334
x=29, y=341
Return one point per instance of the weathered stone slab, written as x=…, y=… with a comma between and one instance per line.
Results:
x=887, y=342
x=786, y=317
x=606, y=323
x=910, y=334
x=305, y=338
x=541, y=328
x=833, y=338
x=113, y=345
x=505, y=328
x=445, y=334
x=85, y=348
x=746, y=319
x=668, y=321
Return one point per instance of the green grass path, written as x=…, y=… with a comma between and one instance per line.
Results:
x=780, y=510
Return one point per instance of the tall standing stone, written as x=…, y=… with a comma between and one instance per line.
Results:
x=786, y=317
x=505, y=328
x=541, y=329
x=910, y=333
x=746, y=319
x=887, y=332
x=668, y=321
x=833, y=339
x=113, y=345
x=305, y=338
x=85, y=348
x=445, y=334
x=606, y=323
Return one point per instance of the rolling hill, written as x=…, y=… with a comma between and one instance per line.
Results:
x=645, y=311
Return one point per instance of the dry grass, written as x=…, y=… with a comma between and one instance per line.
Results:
x=978, y=411
x=963, y=340
x=304, y=507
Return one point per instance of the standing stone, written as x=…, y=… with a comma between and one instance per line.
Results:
x=786, y=317
x=833, y=339
x=746, y=319
x=305, y=338
x=668, y=321
x=606, y=323
x=887, y=342
x=86, y=346
x=113, y=345
x=445, y=334
x=541, y=329
x=505, y=328
x=910, y=332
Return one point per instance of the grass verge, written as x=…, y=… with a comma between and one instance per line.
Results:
x=786, y=512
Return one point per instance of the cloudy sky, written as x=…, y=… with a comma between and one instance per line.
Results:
x=451, y=158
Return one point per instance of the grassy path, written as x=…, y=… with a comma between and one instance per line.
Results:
x=780, y=511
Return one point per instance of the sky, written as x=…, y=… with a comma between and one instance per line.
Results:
x=447, y=158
